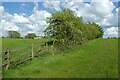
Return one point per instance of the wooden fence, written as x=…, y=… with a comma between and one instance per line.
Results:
x=20, y=55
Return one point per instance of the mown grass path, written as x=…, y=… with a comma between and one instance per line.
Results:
x=95, y=59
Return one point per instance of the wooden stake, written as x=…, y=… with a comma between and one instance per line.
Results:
x=8, y=58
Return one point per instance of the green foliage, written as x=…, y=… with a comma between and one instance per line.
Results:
x=68, y=28
x=93, y=31
x=13, y=34
x=30, y=35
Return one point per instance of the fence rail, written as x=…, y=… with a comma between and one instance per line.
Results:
x=19, y=55
x=20, y=48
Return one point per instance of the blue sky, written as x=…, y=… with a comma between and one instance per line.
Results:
x=30, y=17
x=16, y=7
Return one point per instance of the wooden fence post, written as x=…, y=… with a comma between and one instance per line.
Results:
x=7, y=58
x=32, y=51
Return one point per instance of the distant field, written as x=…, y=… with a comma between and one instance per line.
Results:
x=95, y=59
x=16, y=43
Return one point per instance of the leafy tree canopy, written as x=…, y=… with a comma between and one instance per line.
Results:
x=30, y=35
x=13, y=34
x=67, y=28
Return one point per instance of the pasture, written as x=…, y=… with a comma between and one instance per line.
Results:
x=16, y=43
x=21, y=51
x=94, y=59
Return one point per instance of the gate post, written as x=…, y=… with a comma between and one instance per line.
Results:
x=7, y=58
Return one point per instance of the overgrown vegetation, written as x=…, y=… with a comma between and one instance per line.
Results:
x=69, y=29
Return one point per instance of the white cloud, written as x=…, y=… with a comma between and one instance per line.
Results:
x=23, y=5
x=38, y=21
x=39, y=15
x=111, y=32
x=35, y=23
x=9, y=26
x=35, y=7
x=117, y=10
x=118, y=13
x=55, y=5
x=1, y=9
x=99, y=12
x=20, y=19
x=6, y=26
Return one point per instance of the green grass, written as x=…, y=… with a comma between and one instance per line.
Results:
x=20, y=43
x=95, y=59
x=17, y=43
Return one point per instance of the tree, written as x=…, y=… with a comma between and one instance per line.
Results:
x=13, y=34
x=64, y=26
x=68, y=28
x=30, y=35
x=93, y=31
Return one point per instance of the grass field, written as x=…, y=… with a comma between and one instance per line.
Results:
x=17, y=43
x=95, y=59
x=20, y=43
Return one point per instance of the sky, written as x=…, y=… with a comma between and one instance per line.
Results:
x=30, y=17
